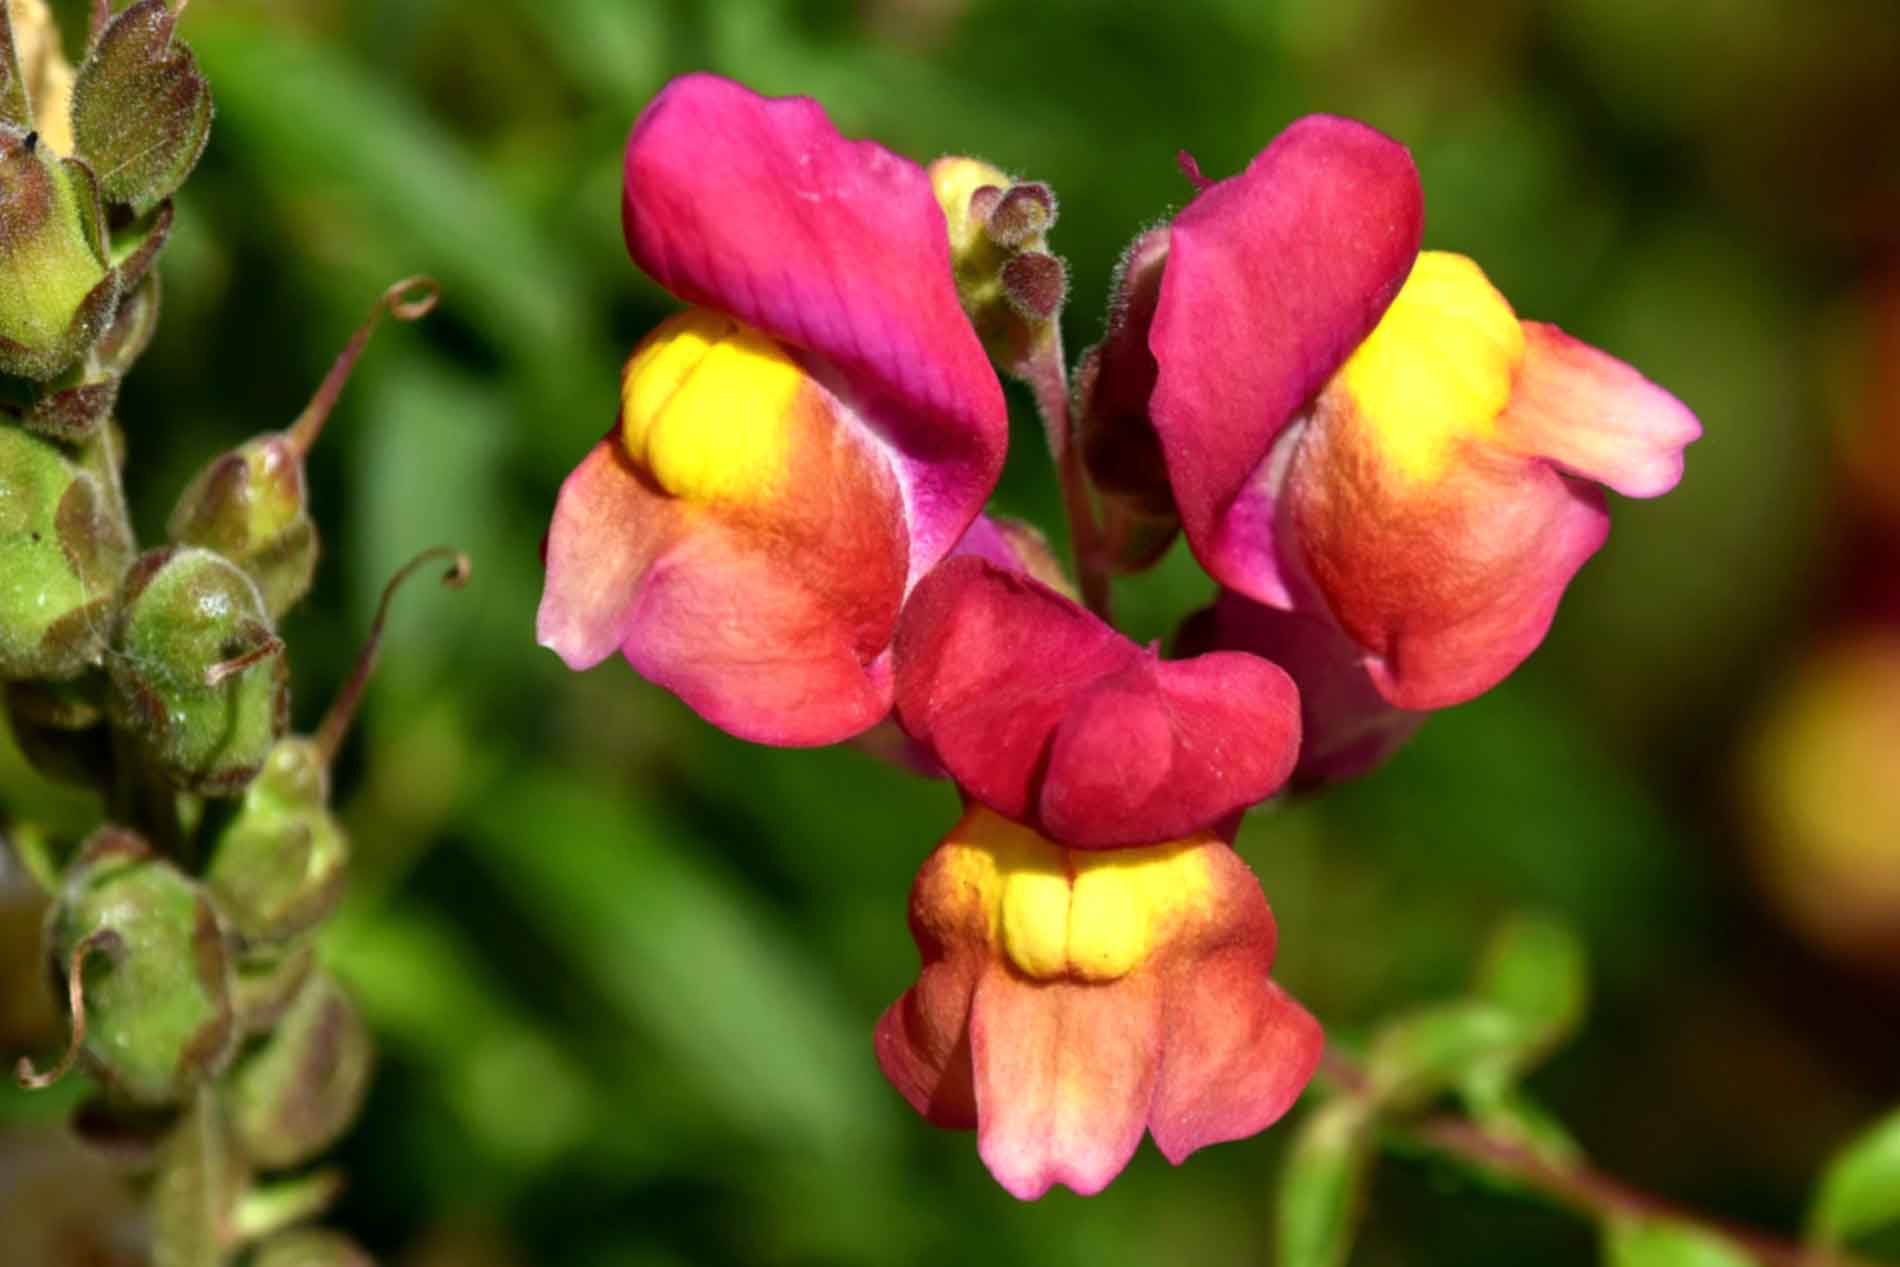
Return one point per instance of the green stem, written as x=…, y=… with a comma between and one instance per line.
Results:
x=1576, y=1185
x=141, y=799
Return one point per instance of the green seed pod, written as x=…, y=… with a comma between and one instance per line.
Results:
x=268, y=983
x=72, y=406
x=141, y=110
x=64, y=543
x=198, y=674
x=279, y=867
x=57, y=287
x=59, y=727
x=311, y=1247
x=293, y=1096
x=251, y=506
x=144, y=963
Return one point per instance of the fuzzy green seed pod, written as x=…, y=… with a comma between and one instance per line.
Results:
x=292, y=1097
x=64, y=543
x=198, y=673
x=279, y=867
x=251, y=506
x=143, y=960
x=141, y=110
x=268, y=982
x=57, y=287
x=72, y=407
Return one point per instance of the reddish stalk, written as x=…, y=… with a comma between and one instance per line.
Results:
x=1049, y=382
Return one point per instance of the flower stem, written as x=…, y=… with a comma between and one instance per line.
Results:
x=1049, y=381
x=1576, y=1185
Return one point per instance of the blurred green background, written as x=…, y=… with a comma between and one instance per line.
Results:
x=624, y=969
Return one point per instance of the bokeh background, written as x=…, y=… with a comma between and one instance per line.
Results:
x=624, y=969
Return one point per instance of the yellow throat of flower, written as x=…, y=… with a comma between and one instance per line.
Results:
x=1438, y=368
x=707, y=405
x=1089, y=915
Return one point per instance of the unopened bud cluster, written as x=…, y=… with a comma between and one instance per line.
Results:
x=1011, y=286
x=181, y=934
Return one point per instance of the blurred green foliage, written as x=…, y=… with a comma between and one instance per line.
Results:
x=624, y=969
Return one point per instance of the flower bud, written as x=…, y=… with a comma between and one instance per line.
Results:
x=1009, y=284
x=278, y=868
x=311, y=1247
x=147, y=972
x=250, y=505
x=293, y=1096
x=57, y=725
x=198, y=674
x=57, y=287
x=1119, y=444
x=141, y=110
x=63, y=544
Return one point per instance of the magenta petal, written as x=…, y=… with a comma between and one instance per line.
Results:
x=1596, y=417
x=1047, y=715
x=1347, y=727
x=759, y=208
x=1273, y=277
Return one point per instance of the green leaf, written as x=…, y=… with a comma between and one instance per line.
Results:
x=1322, y=1187
x=1634, y=1243
x=1427, y=1052
x=1506, y=1113
x=141, y=110
x=1859, y=1192
x=1535, y=968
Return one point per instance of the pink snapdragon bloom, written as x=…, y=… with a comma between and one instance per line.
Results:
x=1070, y=1001
x=1045, y=714
x=797, y=449
x=1371, y=436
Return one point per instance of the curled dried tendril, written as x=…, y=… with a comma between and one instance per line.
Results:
x=336, y=722
x=398, y=302
x=105, y=939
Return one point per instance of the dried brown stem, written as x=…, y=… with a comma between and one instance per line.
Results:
x=1049, y=382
